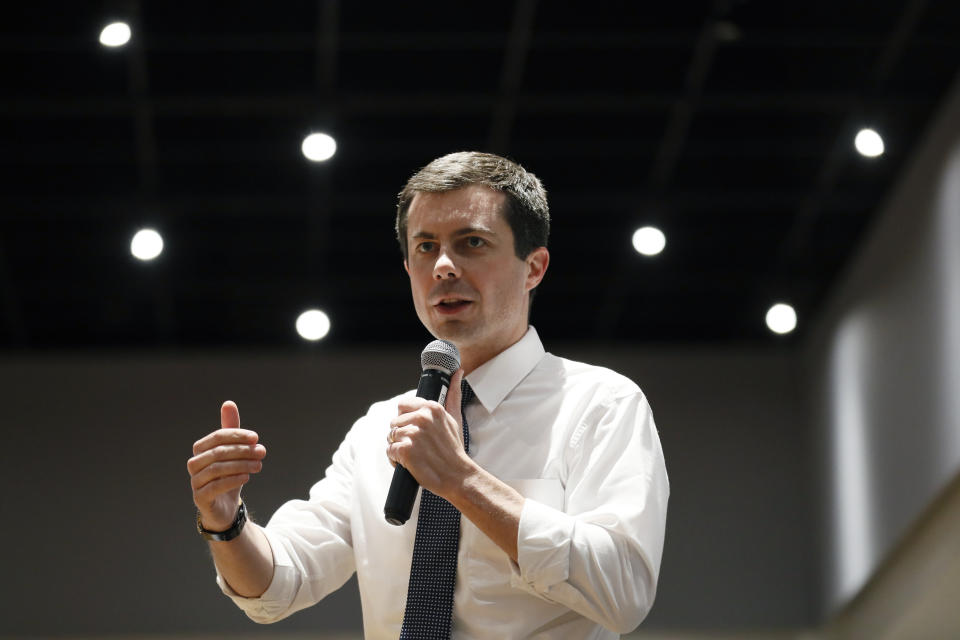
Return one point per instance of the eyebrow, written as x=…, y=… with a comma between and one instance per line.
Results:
x=465, y=231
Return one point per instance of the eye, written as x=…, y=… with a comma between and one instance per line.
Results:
x=425, y=247
x=475, y=242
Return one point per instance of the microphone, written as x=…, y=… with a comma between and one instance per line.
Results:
x=438, y=362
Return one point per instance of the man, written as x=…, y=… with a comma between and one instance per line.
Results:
x=558, y=472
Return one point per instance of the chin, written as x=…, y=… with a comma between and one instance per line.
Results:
x=453, y=331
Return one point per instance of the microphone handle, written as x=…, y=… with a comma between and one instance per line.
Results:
x=433, y=385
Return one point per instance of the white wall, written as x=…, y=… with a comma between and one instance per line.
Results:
x=884, y=367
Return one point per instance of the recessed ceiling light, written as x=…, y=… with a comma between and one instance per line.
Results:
x=869, y=143
x=649, y=241
x=318, y=147
x=313, y=325
x=115, y=34
x=147, y=244
x=781, y=318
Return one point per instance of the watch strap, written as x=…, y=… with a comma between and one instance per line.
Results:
x=229, y=534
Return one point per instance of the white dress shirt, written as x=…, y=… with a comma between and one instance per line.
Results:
x=577, y=441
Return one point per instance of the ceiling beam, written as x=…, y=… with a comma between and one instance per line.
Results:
x=327, y=44
x=811, y=206
x=145, y=144
x=44, y=207
x=145, y=139
x=323, y=117
x=675, y=134
x=773, y=202
x=222, y=153
x=469, y=41
x=664, y=165
x=511, y=76
x=401, y=105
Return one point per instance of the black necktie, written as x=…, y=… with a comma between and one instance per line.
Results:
x=433, y=574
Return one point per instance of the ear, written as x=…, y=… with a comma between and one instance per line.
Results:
x=537, y=263
x=406, y=267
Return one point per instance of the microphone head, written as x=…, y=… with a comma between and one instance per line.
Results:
x=441, y=355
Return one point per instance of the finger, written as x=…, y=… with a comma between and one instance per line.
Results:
x=229, y=415
x=225, y=469
x=254, y=453
x=225, y=436
x=423, y=413
x=399, y=434
x=397, y=452
x=452, y=405
x=212, y=490
x=408, y=405
x=393, y=463
x=223, y=453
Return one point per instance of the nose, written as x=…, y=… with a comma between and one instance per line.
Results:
x=445, y=268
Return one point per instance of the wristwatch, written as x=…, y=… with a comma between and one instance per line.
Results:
x=229, y=534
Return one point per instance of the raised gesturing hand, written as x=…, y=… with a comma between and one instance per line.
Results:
x=221, y=464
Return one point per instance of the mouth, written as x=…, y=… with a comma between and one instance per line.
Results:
x=448, y=306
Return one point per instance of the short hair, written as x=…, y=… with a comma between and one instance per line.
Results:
x=526, y=209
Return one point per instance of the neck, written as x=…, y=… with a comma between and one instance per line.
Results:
x=473, y=357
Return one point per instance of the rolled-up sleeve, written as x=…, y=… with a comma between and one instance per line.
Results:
x=600, y=555
x=275, y=603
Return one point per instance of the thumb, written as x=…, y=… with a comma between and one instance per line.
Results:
x=452, y=404
x=229, y=415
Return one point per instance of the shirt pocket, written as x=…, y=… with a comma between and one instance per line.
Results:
x=489, y=566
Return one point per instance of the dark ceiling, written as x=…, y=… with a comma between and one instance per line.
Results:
x=727, y=124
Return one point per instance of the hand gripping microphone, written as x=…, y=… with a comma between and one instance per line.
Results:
x=438, y=361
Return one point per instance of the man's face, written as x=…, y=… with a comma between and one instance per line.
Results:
x=469, y=286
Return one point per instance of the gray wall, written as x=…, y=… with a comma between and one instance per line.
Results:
x=99, y=531
x=884, y=366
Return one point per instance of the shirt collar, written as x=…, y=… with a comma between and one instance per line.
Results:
x=496, y=378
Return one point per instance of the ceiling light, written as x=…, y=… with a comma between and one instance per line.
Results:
x=146, y=244
x=313, y=325
x=781, y=318
x=649, y=241
x=115, y=34
x=869, y=143
x=319, y=147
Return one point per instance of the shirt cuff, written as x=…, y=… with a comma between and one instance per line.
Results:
x=276, y=600
x=543, y=548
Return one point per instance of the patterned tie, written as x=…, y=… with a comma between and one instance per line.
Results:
x=433, y=573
